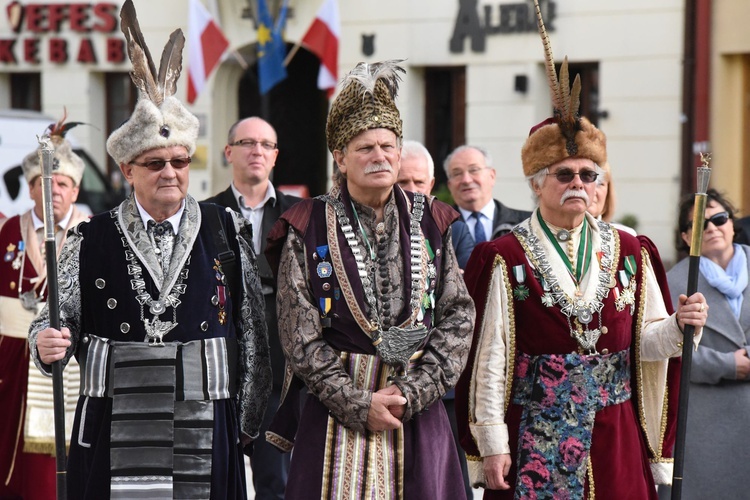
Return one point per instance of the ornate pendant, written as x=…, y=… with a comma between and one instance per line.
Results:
x=157, y=329
x=563, y=235
x=157, y=307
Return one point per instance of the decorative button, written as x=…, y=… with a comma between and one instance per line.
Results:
x=215, y=300
x=605, y=351
x=100, y=283
x=204, y=326
x=12, y=285
x=326, y=286
x=437, y=253
x=85, y=340
x=111, y=303
x=124, y=327
x=315, y=255
x=605, y=329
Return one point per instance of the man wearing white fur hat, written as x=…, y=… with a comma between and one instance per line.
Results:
x=160, y=301
x=27, y=440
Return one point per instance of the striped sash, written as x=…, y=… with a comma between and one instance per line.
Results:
x=162, y=412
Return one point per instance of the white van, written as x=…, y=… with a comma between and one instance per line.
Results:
x=18, y=137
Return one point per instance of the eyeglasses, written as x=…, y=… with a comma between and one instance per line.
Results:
x=156, y=165
x=566, y=175
x=473, y=172
x=718, y=219
x=250, y=144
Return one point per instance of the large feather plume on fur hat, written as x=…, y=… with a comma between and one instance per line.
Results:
x=159, y=119
x=566, y=134
x=64, y=160
x=366, y=101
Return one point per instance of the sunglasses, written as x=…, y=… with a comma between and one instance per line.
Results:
x=156, y=165
x=717, y=220
x=566, y=175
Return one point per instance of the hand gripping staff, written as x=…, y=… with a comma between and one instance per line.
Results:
x=46, y=154
x=699, y=210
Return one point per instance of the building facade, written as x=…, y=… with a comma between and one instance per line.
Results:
x=475, y=74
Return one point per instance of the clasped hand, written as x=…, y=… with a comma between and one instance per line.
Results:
x=387, y=408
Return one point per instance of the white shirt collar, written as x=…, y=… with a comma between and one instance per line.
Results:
x=174, y=220
x=488, y=211
x=270, y=194
x=39, y=223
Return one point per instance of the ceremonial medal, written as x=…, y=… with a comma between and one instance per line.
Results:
x=548, y=300
x=9, y=252
x=324, y=269
x=221, y=293
x=325, y=306
x=521, y=291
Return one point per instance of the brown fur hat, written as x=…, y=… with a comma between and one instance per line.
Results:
x=546, y=145
x=366, y=101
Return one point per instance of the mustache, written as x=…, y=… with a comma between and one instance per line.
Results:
x=381, y=166
x=575, y=193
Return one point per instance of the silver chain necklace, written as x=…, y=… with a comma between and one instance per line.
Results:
x=156, y=329
x=393, y=350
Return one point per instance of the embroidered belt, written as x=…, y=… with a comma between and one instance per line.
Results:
x=161, y=435
x=560, y=395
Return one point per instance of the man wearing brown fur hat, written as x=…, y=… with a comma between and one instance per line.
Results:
x=566, y=391
x=374, y=317
x=160, y=302
x=27, y=440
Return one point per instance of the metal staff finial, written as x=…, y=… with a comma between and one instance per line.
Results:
x=699, y=216
x=46, y=157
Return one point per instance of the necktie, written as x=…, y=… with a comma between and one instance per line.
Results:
x=163, y=238
x=479, y=235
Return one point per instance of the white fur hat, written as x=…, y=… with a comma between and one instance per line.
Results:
x=150, y=127
x=159, y=119
x=64, y=160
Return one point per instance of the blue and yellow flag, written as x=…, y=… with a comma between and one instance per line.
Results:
x=271, y=47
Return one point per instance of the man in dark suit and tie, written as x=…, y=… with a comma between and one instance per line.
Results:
x=252, y=150
x=471, y=178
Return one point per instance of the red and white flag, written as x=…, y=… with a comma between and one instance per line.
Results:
x=206, y=45
x=322, y=39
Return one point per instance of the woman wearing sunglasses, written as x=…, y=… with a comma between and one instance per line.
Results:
x=719, y=389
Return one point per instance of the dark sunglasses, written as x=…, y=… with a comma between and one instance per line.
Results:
x=156, y=165
x=717, y=220
x=566, y=175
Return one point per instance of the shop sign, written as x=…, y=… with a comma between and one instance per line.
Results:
x=499, y=19
x=37, y=27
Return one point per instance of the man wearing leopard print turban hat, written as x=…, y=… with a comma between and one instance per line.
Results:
x=569, y=392
x=374, y=317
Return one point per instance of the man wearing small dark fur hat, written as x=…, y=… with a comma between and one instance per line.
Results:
x=374, y=317
x=27, y=438
x=160, y=302
x=568, y=392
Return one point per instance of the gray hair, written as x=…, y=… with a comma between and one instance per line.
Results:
x=449, y=158
x=411, y=149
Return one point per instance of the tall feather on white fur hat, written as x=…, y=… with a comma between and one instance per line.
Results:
x=159, y=119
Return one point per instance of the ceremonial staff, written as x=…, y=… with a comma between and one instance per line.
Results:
x=699, y=210
x=46, y=154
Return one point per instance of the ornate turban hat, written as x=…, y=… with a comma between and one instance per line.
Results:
x=64, y=160
x=366, y=101
x=566, y=134
x=159, y=119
